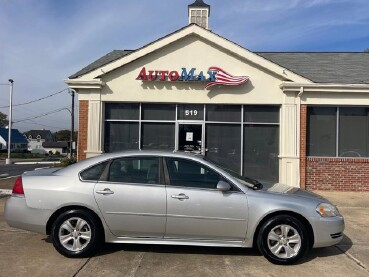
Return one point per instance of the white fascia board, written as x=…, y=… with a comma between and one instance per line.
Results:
x=193, y=29
x=84, y=83
x=324, y=87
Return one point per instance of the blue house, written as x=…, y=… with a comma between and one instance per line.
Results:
x=18, y=142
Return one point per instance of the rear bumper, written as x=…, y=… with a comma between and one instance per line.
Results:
x=18, y=215
x=328, y=231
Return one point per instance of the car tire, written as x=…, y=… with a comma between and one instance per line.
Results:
x=76, y=234
x=283, y=239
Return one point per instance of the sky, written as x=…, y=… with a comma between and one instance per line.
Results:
x=42, y=42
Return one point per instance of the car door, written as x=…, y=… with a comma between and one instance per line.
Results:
x=132, y=198
x=197, y=210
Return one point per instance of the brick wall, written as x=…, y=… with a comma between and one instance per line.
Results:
x=343, y=174
x=82, y=129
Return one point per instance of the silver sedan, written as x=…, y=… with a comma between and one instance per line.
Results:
x=169, y=198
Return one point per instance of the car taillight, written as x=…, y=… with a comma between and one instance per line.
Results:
x=18, y=186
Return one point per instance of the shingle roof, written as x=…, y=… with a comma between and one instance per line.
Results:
x=108, y=58
x=35, y=133
x=199, y=3
x=17, y=137
x=343, y=68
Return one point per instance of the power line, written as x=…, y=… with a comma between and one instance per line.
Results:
x=34, y=123
x=42, y=115
x=39, y=99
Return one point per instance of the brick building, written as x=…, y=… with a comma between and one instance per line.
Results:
x=295, y=118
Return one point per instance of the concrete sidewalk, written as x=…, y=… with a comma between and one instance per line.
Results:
x=28, y=254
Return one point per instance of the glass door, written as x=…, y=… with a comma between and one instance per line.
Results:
x=190, y=138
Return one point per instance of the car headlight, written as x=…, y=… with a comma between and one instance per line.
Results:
x=327, y=210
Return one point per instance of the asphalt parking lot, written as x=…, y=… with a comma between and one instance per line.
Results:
x=27, y=254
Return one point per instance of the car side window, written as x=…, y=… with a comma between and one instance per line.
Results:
x=140, y=170
x=93, y=173
x=186, y=173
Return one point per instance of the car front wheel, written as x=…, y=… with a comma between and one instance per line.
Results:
x=76, y=233
x=283, y=239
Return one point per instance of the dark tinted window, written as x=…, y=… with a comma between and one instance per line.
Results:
x=186, y=173
x=142, y=170
x=261, y=114
x=223, y=143
x=158, y=135
x=223, y=113
x=321, y=131
x=93, y=173
x=127, y=111
x=120, y=136
x=354, y=132
x=158, y=112
x=261, y=150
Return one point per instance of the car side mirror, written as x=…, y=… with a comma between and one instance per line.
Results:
x=223, y=186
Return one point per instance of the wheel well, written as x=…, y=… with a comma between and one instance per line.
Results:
x=55, y=215
x=293, y=214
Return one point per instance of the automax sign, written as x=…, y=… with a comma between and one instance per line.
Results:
x=214, y=76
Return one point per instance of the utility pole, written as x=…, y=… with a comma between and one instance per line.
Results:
x=8, y=160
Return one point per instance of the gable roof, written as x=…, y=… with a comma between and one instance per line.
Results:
x=42, y=133
x=324, y=67
x=17, y=137
x=92, y=79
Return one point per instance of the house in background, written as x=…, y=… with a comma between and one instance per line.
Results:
x=18, y=141
x=56, y=146
x=36, y=138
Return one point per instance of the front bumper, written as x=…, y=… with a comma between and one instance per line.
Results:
x=18, y=215
x=328, y=231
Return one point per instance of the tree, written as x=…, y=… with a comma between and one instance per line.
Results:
x=64, y=135
x=3, y=120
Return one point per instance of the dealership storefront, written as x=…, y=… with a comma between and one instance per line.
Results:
x=263, y=115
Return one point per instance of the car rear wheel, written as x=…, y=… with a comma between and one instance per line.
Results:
x=76, y=233
x=283, y=239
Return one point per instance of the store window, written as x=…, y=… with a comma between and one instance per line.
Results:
x=190, y=112
x=121, y=136
x=158, y=112
x=158, y=136
x=338, y=131
x=223, y=113
x=125, y=111
x=223, y=143
x=321, y=134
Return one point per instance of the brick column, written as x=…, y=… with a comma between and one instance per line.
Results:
x=82, y=129
x=303, y=125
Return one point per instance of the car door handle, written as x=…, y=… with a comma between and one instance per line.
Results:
x=105, y=191
x=180, y=196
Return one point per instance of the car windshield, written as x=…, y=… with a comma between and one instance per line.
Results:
x=249, y=182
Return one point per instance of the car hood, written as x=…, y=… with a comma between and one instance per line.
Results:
x=293, y=191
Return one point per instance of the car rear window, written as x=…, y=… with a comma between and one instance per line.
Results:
x=93, y=173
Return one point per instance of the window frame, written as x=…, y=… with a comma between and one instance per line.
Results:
x=89, y=167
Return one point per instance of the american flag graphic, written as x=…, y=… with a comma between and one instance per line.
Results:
x=224, y=78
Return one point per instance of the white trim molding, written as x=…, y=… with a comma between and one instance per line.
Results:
x=324, y=87
x=86, y=84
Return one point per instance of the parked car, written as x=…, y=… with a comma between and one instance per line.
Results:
x=169, y=198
